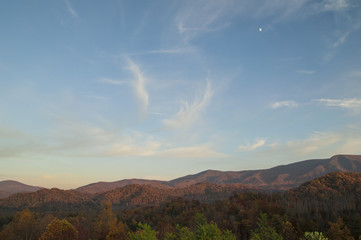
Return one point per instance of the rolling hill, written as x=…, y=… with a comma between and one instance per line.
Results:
x=130, y=196
x=9, y=187
x=336, y=190
x=277, y=178
x=106, y=186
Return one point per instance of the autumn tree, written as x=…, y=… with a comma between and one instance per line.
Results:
x=288, y=231
x=118, y=232
x=60, y=230
x=105, y=221
x=339, y=231
x=24, y=226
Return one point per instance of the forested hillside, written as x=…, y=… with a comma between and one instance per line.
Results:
x=130, y=196
x=327, y=206
x=282, y=177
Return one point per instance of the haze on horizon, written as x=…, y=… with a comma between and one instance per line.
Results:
x=107, y=90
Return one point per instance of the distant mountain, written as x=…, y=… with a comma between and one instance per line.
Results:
x=277, y=178
x=334, y=193
x=4, y=194
x=106, y=186
x=280, y=177
x=50, y=200
x=143, y=195
x=335, y=183
x=9, y=187
x=336, y=190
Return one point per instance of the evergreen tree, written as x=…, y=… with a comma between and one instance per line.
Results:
x=264, y=231
x=144, y=232
x=314, y=236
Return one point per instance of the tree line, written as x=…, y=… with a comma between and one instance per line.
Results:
x=325, y=208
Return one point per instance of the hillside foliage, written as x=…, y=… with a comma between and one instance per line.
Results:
x=325, y=208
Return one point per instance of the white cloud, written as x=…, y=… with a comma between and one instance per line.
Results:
x=346, y=32
x=250, y=147
x=199, y=16
x=139, y=84
x=334, y=5
x=346, y=141
x=71, y=9
x=307, y=72
x=314, y=143
x=190, y=112
x=112, y=81
x=355, y=74
x=18, y=144
x=191, y=152
x=350, y=103
x=284, y=104
x=196, y=17
x=170, y=51
x=97, y=97
x=48, y=176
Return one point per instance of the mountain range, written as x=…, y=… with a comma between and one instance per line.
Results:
x=9, y=187
x=277, y=178
x=340, y=189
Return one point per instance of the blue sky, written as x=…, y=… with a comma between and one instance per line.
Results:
x=106, y=90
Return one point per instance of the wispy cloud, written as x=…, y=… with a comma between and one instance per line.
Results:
x=197, y=17
x=346, y=25
x=84, y=140
x=200, y=16
x=190, y=112
x=250, y=147
x=81, y=140
x=317, y=143
x=345, y=141
x=139, y=83
x=307, y=72
x=48, y=176
x=334, y=5
x=349, y=103
x=71, y=9
x=345, y=34
x=284, y=104
x=97, y=97
x=184, y=50
x=170, y=51
x=112, y=81
x=354, y=74
x=201, y=151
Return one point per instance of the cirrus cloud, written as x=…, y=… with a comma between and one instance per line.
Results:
x=189, y=113
x=276, y=105
x=350, y=103
x=250, y=147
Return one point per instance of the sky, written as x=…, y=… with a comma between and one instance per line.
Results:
x=108, y=90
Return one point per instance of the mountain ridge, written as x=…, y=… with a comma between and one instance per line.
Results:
x=332, y=186
x=280, y=177
x=130, y=196
x=9, y=187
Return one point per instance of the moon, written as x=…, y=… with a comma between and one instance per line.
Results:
x=260, y=29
